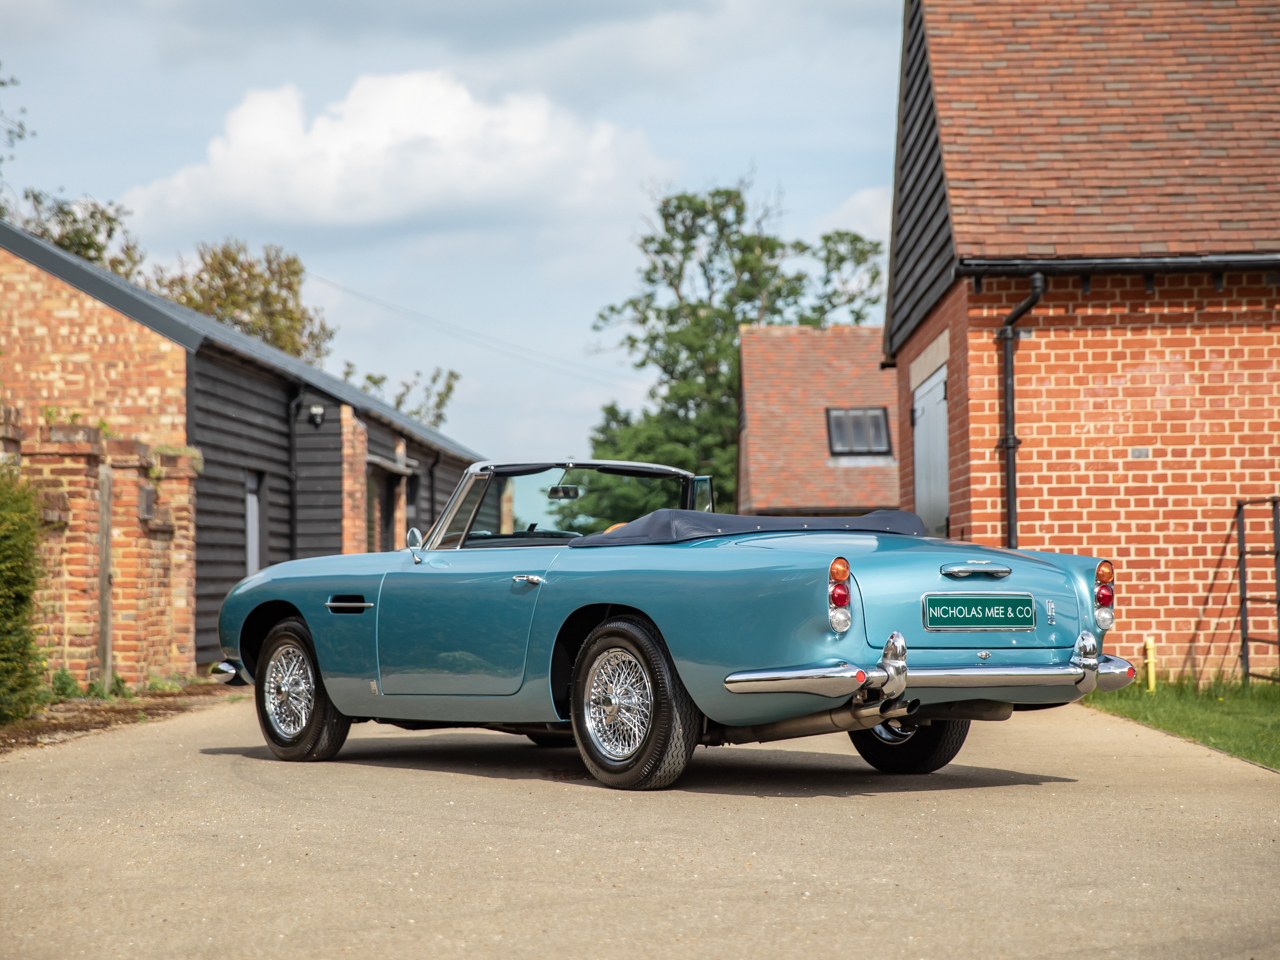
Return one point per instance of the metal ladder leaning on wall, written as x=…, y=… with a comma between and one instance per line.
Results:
x=1242, y=556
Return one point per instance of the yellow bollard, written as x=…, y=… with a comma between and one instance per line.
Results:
x=1150, y=645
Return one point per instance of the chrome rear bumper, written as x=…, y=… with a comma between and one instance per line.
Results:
x=1086, y=671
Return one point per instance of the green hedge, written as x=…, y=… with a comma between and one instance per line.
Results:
x=20, y=662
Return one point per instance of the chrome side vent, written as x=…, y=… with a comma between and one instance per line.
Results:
x=348, y=603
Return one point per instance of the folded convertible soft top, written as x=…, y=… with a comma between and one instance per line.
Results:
x=676, y=526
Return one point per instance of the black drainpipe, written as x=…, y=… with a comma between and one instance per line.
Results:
x=1009, y=442
x=294, y=404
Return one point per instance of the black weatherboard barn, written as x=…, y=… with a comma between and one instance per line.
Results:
x=297, y=463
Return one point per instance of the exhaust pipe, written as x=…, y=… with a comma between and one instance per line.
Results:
x=851, y=716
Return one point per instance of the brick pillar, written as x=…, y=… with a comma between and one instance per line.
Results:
x=61, y=462
x=399, y=523
x=355, y=504
x=176, y=512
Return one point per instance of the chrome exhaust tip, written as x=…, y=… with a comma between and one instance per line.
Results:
x=226, y=672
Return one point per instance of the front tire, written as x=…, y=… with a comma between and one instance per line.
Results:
x=634, y=722
x=297, y=718
x=895, y=749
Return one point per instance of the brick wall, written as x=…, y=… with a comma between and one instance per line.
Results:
x=790, y=377
x=1143, y=417
x=61, y=348
x=355, y=505
x=152, y=560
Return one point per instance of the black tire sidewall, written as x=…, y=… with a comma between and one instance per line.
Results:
x=637, y=640
x=928, y=749
x=300, y=747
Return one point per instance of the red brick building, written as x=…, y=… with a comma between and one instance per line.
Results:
x=217, y=455
x=1124, y=159
x=818, y=428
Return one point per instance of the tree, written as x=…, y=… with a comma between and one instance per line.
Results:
x=85, y=227
x=12, y=128
x=436, y=393
x=260, y=297
x=711, y=265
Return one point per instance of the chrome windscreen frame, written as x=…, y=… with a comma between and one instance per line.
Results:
x=468, y=480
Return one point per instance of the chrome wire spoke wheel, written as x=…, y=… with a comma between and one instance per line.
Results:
x=892, y=731
x=619, y=703
x=290, y=691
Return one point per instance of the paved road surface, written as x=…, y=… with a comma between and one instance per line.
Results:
x=1061, y=833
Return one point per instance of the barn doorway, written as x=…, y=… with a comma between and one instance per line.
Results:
x=932, y=473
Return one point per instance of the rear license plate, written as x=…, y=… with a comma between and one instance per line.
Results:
x=950, y=612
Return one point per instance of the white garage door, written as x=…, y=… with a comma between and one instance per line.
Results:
x=929, y=416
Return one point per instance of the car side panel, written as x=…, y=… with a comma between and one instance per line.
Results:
x=721, y=606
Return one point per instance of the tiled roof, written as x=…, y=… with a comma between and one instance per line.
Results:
x=1110, y=129
x=790, y=376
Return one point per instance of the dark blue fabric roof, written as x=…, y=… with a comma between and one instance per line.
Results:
x=677, y=526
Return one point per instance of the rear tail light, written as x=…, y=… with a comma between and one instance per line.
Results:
x=839, y=595
x=1104, y=596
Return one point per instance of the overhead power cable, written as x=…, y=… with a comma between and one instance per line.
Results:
x=513, y=351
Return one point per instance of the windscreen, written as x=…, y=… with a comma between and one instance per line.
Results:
x=557, y=505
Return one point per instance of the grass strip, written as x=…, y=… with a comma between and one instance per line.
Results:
x=1223, y=714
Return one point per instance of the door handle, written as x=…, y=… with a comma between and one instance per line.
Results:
x=972, y=568
x=527, y=578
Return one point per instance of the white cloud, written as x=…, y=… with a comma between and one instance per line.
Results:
x=415, y=147
x=868, y=212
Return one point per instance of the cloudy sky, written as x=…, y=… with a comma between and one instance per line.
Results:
x=464, y=181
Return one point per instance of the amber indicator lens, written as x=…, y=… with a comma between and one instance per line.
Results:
x=1106, y=572
x=839, y=569
x=1106, y=595
x=840, y=595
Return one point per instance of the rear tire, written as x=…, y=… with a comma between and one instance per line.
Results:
x=635, y=724
x=924, y=750
x=297, y=718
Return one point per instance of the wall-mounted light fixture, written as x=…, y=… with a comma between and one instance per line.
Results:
x=317, y=414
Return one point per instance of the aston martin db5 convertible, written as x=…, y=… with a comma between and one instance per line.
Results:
x=607, y=606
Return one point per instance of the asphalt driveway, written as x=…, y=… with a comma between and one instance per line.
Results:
x=1060, y=833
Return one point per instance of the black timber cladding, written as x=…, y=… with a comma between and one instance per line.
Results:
x=319, y=459
x=922, y=256
x=238, y=417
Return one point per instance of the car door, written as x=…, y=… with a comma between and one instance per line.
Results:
x=458, y=623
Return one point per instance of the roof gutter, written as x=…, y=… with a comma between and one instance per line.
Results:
x=1009, y=442
x=1084, y=266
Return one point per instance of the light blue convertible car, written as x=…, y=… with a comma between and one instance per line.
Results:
x=606, y=605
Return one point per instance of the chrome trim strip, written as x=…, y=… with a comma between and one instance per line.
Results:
x=838, y=679
x=348, y=606
x=1054, y=675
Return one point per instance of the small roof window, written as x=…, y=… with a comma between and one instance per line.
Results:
x=858, y=431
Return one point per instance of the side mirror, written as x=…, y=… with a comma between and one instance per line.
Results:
x=413, y=539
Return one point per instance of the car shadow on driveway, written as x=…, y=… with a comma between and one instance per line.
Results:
x=718, y=770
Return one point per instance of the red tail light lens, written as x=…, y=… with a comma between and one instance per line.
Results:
x=839, y=594
x=1106, y=595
